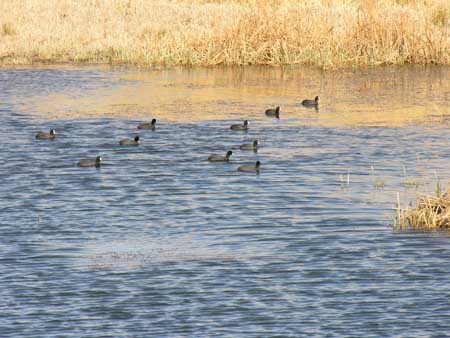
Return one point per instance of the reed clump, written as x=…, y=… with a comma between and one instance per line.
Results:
x=429, y=213
x=324, y=33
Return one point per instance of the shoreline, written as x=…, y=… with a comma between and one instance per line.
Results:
x=135, y=67
x=132, y=65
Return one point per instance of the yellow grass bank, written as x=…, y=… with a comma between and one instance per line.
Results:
x=326, y=33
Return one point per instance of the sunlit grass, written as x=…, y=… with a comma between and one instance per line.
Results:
x=431, y=211
x=324, y=33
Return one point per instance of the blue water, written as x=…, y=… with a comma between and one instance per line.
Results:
x=161, y=243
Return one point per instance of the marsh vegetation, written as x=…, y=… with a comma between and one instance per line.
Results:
x=324, y=33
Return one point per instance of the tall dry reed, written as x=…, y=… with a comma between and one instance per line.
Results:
x=326, y=33
x=429, y=213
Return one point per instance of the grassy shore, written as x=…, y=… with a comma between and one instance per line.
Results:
x=326, y=33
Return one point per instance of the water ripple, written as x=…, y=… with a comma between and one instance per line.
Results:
x=160, y=242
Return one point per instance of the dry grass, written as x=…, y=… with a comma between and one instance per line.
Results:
x=325, y=33
x=429, y=213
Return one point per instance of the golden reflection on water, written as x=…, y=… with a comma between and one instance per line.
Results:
x=391, y=96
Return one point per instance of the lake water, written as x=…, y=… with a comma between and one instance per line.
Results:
x=161, y=243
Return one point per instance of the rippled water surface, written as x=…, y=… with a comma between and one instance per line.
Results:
x=161, y=243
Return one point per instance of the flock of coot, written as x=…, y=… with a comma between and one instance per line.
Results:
x=213, y=158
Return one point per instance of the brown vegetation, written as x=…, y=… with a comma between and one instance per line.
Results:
x=325, y=33
x=429, y=213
